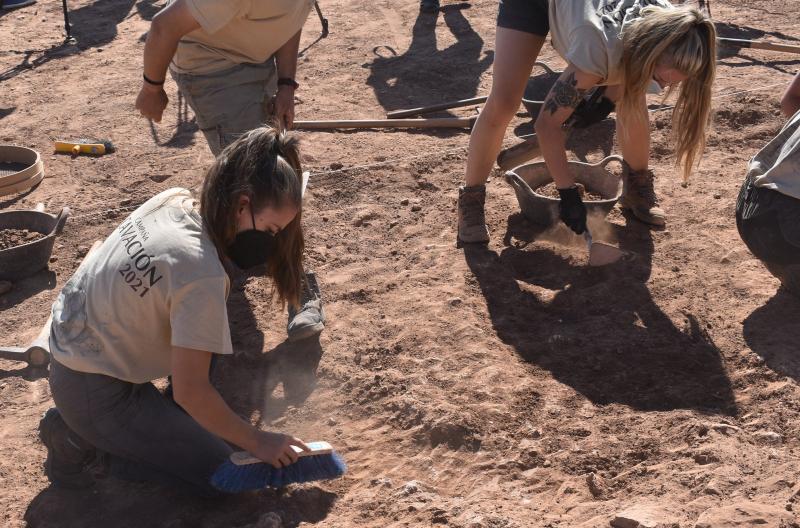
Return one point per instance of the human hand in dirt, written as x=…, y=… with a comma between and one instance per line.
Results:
x=283, y=106
x=151, y=101
x=276, y=449
x=571, y=209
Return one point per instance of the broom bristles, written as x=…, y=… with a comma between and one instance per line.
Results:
x=233, y=478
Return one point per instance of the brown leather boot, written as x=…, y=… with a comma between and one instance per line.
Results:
x=639, y=196
x=471, y=218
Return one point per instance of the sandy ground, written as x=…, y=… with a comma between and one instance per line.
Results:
x=499, y=386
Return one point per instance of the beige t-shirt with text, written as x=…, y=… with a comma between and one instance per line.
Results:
x=156, y=282
x=587, y=33
x=234, y=32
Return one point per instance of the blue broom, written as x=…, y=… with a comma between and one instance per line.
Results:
x=244, y=472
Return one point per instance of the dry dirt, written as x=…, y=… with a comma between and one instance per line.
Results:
x=16, y=237
x=504, y=386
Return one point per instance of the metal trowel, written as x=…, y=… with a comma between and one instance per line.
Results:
x=600, y=253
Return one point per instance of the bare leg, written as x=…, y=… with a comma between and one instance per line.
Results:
x=515, y=53
x=634, y=139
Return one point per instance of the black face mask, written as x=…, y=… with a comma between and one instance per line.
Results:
x=251, y=247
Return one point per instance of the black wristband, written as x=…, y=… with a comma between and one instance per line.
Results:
x=288, y=81
x=151, y=81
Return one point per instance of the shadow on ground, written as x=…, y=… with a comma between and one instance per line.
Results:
x=771, y=332
x=728, y=51
x=598, y=330
x=425, y=75
x=93, y=25
x=125, y=505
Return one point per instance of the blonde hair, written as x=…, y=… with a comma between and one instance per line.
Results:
x=682, y=38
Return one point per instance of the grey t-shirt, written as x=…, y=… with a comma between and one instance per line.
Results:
x=156, y=282
x=777, y=165
x=587, y=33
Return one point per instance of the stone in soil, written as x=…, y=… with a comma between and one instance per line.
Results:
x=16, y=237
x=745, y=514
x=643, y=516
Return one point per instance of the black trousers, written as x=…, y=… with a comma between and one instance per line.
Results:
x=148, y=436
x=769, y=224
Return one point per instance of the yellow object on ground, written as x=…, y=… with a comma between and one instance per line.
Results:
x=90, y=147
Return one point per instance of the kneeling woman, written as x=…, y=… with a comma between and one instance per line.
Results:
x=150, y=302
x=768, y=208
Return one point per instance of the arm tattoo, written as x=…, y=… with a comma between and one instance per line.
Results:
x=564, y=94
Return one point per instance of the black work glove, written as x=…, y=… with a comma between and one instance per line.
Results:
x=587, y=114
x=571, y=209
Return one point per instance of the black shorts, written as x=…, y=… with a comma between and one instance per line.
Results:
x=529, y=16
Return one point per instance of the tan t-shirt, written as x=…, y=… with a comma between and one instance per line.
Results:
x=587, y=33
x=237, y=31
x=156, y=282
x=777, y=165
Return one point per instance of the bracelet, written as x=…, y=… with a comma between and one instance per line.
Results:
x=151, y=81
x=288, y=81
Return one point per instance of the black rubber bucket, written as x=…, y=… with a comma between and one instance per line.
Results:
x=22, y=261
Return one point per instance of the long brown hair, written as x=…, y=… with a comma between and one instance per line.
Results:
x=264, y=165
x=685, y=39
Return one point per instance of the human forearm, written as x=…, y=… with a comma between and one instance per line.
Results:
x=790, y=103
x=158, y=51
x=552, y=142
x=167, y=28
x=206, y=406
x=286, y=57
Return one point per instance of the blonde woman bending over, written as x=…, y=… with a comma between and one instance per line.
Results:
x=622, y=44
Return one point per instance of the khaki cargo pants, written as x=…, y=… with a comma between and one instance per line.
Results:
x=230, y=102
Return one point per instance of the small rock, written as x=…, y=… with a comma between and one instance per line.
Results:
x=381, y=482
x=416, y=207
x=393, y=223
x=726, y=429
x=404, y=201
x=331, y=421
x=643, y=517
x=676, y=269
x=410, y=487
x=5, y=287
x=717, y=195
x=455, y=301
x=744, y=514
x=713, y=488
x=82, y=251
x=336, y=165
x=53, y=259
x=439, y=516
x=768, y=437
x=597, y=485
x=547, y=463
x=705, y=458
x=324, y=218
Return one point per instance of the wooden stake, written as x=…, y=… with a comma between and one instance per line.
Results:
x=442, y=122
x=755, y=44
x=397, y=114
